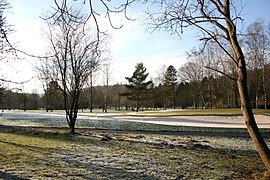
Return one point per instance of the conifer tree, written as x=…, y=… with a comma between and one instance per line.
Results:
x=138, y=88
x=170, y=81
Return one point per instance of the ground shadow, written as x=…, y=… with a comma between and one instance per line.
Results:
x=72, y=159
x=7, y=176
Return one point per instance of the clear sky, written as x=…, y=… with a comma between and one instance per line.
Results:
x=130, y=44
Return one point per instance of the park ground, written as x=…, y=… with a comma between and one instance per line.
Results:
x=136, y=150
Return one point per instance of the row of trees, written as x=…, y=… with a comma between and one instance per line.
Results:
x=192, y=85
x=137, y=93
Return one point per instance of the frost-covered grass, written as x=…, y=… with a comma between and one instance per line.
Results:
x=137, y=151
x=45, y=153
x=102, y=122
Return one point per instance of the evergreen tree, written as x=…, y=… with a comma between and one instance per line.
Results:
x=53, y=96
x=170, y=81
x=138, y=88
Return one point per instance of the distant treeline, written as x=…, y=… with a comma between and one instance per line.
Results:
x=209, y=92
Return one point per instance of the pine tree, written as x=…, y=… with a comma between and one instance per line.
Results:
x=138, y=88
x=170, y=81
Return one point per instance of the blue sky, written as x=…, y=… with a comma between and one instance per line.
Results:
x=130, y=45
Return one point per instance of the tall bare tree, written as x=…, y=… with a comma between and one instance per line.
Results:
x=74, y=59
x=217, y=21
x=160, y=75
x=107, y=72
x=6, y=48
x=5, y=29
x=257, y=45
x=193, y=72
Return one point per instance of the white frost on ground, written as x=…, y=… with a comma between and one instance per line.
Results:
x=221, y=121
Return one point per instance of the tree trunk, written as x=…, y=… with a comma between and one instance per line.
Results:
x=72, y=128
x=72, y=124
x=264, y=89
x=173, y=98
x=236, y=100
x=246, y=109
x=137, y=106
x=71, y=117
x=251, y=123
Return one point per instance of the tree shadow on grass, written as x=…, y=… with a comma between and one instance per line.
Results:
x=81, y=138
x=8, y=176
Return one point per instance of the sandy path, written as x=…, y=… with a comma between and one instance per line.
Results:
x=263, y=121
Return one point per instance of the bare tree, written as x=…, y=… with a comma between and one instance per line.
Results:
x=42, y=71
x=257, y=45
x=5, y=29
x=6, y=48
x=91, y=83
x=74, y=59
x=106, y=79
x=160, y=75
x=216, y=20
x=193, y=72
x=23, y=97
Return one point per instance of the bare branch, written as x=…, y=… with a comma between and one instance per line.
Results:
x=223, y=73
x=13, y=82
x=62, y=8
